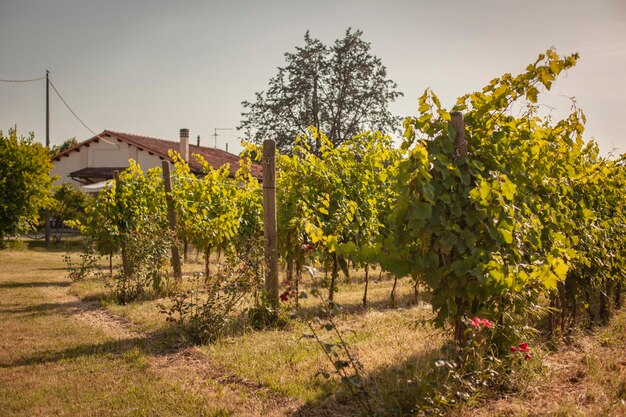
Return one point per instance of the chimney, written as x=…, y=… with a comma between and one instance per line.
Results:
x=198, y=140
x=184, y=144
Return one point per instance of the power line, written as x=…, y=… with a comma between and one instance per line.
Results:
x=22, y=81
x=70, y=109
x=75, y=115
x=62, y=99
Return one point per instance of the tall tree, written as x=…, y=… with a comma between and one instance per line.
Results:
x=340, y=90
x=24, y=183
x=62, y=147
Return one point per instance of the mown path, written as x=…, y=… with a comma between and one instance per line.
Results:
x=60, y=355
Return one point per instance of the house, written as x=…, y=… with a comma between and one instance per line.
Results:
x=93, y=161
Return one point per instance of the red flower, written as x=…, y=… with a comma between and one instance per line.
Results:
x=306, y=246
x=284, y=297
x=476, y=322
x=523, y=348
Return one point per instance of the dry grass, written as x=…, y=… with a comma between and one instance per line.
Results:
x=586, y=378
x=54, y=363
x=286, y=363
x=67, y=349
x=127, y=360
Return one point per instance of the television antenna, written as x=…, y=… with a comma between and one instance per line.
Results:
x=215, y=134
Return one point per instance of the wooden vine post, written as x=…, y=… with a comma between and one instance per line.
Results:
x=269, y=221
x=460, y=142
x=460, y=156
x=171, y=217
x=125, y=263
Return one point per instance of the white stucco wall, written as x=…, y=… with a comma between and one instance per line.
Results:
x=101, y=154
x=147, y=161
x=66, y=165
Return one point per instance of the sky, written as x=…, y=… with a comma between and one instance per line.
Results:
x=153, y=67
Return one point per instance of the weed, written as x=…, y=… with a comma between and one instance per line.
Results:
x=16, y=244
x=340, y=354
x=204, y=311
x=145, y=255
x=78, y=271
x=135, y=358
x=262, y=315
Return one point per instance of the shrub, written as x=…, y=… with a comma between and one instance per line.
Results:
x=204, y=312
x=263, y=315
x=78, y=271
x=145, y=257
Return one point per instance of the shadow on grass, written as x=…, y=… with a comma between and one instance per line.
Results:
x=356, y=307
x=34, y=284
x=74, y=244
x=58, y=268
x=86, y=303
x=98, y=297
x=158, y=343
x=394, y=390
x=63, y=309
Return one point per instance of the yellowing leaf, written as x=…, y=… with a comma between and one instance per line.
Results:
x=485, y=190
x=506, y=235
x=560, y=268
x=496, y=275
x=508, y=189
x=331, y=243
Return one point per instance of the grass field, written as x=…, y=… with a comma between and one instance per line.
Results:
x=66, y=349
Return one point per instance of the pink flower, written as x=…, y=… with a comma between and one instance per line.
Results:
x=528, y=356
x=487, y=323
x=513, y=349
x=477, y=322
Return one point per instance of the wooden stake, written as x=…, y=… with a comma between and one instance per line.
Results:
x=460, y=154
x=125, y=263
x=367, y=282
x=171, y=217
x=460, y=143
x=269, y=221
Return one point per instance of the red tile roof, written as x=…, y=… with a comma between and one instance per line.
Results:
x=160, y=147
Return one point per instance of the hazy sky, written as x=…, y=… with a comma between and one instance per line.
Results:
x=152, y=67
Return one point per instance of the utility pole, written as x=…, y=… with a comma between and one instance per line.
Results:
x=47, y=212
x=47, y=109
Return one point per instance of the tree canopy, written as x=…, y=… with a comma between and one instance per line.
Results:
x=341, y=90
x=68, y=143
x=24, y=183
x=69, y=203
